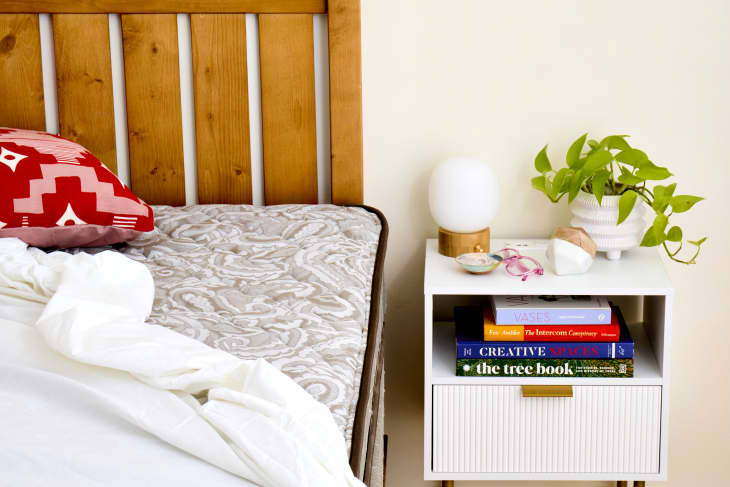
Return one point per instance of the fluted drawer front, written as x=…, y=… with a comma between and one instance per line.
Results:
x=479, y=428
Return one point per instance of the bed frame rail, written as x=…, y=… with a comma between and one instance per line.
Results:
x=151, y=72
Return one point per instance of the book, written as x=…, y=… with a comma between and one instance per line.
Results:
x=526, y=367
x=471, y=316
x=470, y=344
x=551, y=310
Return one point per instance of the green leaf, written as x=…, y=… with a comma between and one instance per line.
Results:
x=655, y=234
x=649, y=239
x=542, y=163
x=593, y=144
x=625, y=204
x=698, y=242
x=683, y=202
x=662, y=194
x=615, y=142
x=599, y=183
x=597, y=160
x=627, y=178
x=632, y=157
x=561, y=177
x=674, y=234
x=538, y=182
x=579, y=164
x=573, y=155
x=650, y=171
x=660, y=223
x=575, y=183
x=566, y=181
x=549, y=189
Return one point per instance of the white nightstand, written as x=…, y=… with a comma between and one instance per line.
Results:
x=484, y=429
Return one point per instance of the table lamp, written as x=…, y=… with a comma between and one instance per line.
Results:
x=463, y=196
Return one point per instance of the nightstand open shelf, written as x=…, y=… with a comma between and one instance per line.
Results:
x=611, y=429
x=646, y=369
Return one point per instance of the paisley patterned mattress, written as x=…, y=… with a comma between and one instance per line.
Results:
x=291, y=284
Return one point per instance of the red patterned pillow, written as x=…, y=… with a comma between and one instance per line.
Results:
x=54, y=193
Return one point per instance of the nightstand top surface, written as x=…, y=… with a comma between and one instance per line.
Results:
x=638, y=272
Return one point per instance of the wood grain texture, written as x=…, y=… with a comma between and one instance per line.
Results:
x=286, y=47
x=164, y=6
x=221, y=108
x=452, y=244
x=84, y=79
x=154, y=121
x=21, y=77
x=345, y=101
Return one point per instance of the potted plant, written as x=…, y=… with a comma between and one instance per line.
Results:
x=606, y=183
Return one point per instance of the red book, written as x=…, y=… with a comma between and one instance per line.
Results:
x=549, y=333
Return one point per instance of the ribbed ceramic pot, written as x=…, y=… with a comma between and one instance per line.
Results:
x=599, y=221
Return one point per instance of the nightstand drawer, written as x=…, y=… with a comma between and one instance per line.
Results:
x=485, y=428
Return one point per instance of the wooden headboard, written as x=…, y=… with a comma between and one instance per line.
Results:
x=155, y=122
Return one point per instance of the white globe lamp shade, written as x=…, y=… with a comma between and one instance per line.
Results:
x=463, y=196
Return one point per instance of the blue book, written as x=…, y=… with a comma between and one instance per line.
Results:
x=551, y=310
x=470, y=344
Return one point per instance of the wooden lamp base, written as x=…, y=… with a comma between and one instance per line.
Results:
x=452, y=244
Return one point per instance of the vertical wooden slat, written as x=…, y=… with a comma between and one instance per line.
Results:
x=286, y=46
x=21, y=76
x=84, y=79
x=221, y=108
x=152, y=77
x=345, y=101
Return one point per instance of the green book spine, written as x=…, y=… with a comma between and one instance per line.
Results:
x=545, y=368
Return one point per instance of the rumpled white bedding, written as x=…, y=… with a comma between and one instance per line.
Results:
x=76, y=357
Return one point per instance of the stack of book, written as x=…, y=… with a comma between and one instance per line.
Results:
x=543, y=336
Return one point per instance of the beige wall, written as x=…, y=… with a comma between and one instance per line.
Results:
x=498, y=79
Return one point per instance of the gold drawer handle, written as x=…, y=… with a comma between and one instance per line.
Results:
x=547, y=391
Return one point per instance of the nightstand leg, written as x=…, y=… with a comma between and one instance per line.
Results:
x=639, y=483
x=622, y=483
x=447, y=483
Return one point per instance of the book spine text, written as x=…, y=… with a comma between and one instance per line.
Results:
x=545, y=368
x=551, y=333
x=532, y=316
x=595, y=350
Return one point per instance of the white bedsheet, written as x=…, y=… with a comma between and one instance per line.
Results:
x=91, y=395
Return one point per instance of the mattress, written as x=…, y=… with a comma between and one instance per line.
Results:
x=293, y=284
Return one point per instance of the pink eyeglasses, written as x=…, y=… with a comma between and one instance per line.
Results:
x=513, y=264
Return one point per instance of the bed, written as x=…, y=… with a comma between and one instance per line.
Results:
x=192, y=137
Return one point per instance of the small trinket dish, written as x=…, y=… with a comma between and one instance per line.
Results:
x=479, y=262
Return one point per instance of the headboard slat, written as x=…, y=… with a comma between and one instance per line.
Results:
x=345, y=102
x=84, y=79
x=221, y=108
x=164, y=6
x=152, y=76
x=21, y=75
x=286, y=46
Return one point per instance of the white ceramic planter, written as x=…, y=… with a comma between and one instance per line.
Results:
x=599, y=221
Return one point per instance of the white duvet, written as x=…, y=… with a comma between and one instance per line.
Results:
x=91, y=395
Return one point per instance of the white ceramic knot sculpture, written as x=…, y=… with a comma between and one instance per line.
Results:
x=571, y=251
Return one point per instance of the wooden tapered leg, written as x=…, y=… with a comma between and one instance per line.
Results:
x=622, y=483
x=639, y=483
x=447, y=483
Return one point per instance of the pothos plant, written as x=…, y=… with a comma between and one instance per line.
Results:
x=613, y=167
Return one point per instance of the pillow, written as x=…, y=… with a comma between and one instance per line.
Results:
x=55, y=193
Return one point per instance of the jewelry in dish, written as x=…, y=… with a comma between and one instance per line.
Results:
x=479, y=262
